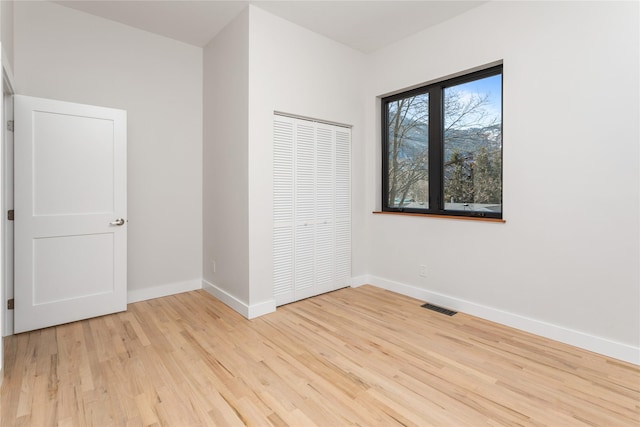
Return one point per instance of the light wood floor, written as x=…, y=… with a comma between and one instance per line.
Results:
x=360, y=356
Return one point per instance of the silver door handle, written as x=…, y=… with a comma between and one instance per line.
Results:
x=118, y=221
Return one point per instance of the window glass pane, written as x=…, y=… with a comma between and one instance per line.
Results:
x=473, y=146
x=408, y=149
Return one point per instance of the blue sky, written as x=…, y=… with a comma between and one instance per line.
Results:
x=492, y=86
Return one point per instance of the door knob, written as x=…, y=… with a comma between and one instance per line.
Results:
x=118, y=221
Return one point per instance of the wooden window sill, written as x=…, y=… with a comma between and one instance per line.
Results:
x=464, y=218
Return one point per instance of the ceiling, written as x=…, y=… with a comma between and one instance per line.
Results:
x=363, y=25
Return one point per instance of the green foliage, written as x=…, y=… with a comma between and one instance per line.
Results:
x=476, y=178
x=459, y=183
x=487, y=177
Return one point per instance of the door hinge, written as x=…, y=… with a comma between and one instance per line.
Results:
x=10, y=214
x=10, y=304
x=10, y=125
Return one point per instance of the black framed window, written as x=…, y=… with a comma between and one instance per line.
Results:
x=442, y=147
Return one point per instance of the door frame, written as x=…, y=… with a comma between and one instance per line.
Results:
x=6, y=201
x=6, y=247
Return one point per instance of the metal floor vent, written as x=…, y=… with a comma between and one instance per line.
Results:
x=439, y=309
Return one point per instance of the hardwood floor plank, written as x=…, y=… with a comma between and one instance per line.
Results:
x=358, y=356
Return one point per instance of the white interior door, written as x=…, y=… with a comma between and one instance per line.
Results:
x=70, y=212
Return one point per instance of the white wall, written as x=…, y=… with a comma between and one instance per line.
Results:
x=226, y=175
x=294, y=70
x=69, y=55
x=566, y=262
x=6, y=23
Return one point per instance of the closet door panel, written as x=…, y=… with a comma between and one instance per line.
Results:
x=343, y=206
x=325, y=186
x=283, y=209
x=305, y=203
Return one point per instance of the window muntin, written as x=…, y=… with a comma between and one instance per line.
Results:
x=454, y=166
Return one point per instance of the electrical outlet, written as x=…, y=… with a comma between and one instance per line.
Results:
x=213, y=266
x=423, y=270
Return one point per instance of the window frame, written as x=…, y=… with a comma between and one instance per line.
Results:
x=436, y=165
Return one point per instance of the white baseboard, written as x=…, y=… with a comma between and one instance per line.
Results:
x=579, y=339
x=248, y=311
x=136, y=295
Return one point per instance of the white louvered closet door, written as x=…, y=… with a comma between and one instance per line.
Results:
x=312, y=208
x=343, y=207
x=304, y=211
x=324, y=207
x=283, y=173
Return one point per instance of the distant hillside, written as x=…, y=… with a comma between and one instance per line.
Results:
x=465, y=141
